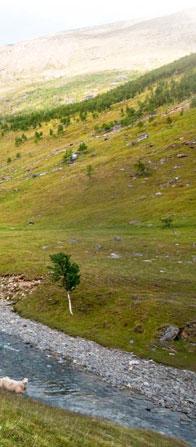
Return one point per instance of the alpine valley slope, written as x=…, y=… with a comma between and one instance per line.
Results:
x=50, y=62
x=137, y=272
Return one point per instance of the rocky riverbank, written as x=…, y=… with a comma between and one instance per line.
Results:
x=168, y=387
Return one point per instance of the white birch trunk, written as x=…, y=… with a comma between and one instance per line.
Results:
x=69, y=301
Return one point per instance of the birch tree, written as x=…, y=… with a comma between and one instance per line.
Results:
x=65, y=272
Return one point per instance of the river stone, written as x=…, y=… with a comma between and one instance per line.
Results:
x=169, y=333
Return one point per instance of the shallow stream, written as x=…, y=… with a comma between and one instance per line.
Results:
x=60, y=384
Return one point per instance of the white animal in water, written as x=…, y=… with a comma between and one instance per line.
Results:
x=17, y=386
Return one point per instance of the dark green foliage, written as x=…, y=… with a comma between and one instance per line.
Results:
x=169, y=121
x=66, y=121
x=95, y=115
x=106, y=127
x=65, y=271
x=51, y=133
x=24, y=137
x=83, y=147
x=67, y=156
x=60, y=129
x=9, y=160
x=18, y=155
x=141, y=169
x=83, y=115
x=38, y=136
x=163, y=94
x=167, y=222
x=132, y=115
x=20, y=140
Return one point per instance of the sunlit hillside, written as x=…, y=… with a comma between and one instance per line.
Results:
x=44, y=71
x=123, y=208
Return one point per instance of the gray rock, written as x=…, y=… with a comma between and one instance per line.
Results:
x=115, y=256
x=170, y=333
x=98, y=247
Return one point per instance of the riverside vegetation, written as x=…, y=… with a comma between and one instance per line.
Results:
x=35, y=424
x=137, y=274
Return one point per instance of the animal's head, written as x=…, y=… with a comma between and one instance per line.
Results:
x=25, y=382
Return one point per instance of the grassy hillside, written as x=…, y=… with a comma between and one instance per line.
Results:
x=24, y=422
x=167, y=84
x=24, y=97
x=122, y=46
x=136, y=275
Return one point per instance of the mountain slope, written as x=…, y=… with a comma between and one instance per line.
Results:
x=122, y=46
x=137, y=273
x=141, y=46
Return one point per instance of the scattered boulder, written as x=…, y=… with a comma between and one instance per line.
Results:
x=98, y=247
x=169, y=333
x=142, y=137
x=114, y=256
x=138, y=255
x=191, y=144
x=188, y=331
x=182, y=155
x=117, y=238
x=74, y=156
x=172, y=332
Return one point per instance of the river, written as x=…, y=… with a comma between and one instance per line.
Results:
x=59, y=383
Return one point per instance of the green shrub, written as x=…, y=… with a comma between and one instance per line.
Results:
x=141, y=169
x=83, y=147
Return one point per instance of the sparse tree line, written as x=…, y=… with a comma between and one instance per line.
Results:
x=165, y=93
x=181, y=90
